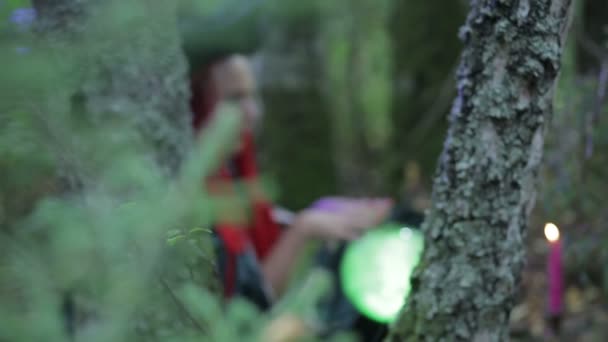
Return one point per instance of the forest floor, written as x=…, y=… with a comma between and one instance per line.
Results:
x=585, y=316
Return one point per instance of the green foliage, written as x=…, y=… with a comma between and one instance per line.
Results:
x=96, y=241
x=357, y=69
x=358, y=48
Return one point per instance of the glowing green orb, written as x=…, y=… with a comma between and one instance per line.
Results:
x=376, y=270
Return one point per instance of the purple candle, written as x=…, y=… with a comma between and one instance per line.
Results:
x=554, y=270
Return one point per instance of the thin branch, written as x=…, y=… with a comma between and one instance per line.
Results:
x=181, y=306
x=437, y=110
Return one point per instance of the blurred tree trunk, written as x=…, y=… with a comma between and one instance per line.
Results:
x=131, y=71
x=295, y=144
x=134, y=70
x=357, y=68
x=484, y=189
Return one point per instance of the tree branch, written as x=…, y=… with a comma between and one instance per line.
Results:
x=181, y=306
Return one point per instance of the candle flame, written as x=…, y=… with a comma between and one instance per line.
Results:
x=551, y=232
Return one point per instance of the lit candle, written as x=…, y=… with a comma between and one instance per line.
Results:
x=554, y=272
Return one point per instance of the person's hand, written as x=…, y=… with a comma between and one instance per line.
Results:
x=286, y=328
x=352, y=219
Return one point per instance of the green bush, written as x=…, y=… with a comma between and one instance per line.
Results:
x=97, y=243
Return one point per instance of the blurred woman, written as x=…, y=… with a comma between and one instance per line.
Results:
x=255, y=255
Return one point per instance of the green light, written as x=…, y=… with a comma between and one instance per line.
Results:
x=376, y=270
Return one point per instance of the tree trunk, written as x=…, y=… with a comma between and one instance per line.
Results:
x=133, y=68
x=484, y=189
x=131, y=72
x=295, y=143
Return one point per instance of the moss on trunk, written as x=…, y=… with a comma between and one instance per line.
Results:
x=485, y=184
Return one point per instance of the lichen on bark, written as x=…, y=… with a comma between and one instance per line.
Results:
x=484, y=187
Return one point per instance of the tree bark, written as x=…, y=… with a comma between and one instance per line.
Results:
x=131, y=69
x=484, y=188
